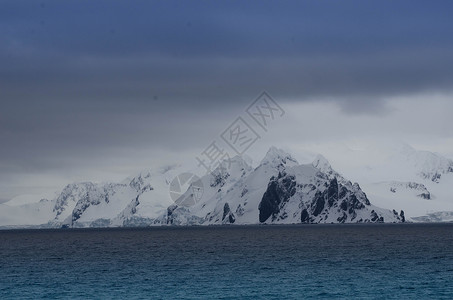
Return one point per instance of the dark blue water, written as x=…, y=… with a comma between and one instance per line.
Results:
x=273, y=262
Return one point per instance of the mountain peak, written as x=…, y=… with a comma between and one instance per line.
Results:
x=235, y=162
x=428, y=165
x=321, y=163
x=276, y=157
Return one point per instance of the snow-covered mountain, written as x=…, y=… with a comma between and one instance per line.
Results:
x=278, y=190
x=443, y=216
x=401, y=177
x=423, y=165
x=131, y=202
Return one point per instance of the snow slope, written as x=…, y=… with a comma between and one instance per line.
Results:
x=280, y=191
x=395, y=176
x=134, y=201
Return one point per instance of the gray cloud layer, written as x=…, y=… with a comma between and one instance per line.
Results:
x=81, y=79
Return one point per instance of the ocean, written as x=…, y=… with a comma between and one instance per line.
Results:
x=366, y=261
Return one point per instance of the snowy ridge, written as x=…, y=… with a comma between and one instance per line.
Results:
x=429, y=165
x=134, y=202
x=281, y=191
x=444, y=216
x=278, y=191
x=419, y=182
x=405, y=188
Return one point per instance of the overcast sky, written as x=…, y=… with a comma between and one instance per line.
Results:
x=96, y=90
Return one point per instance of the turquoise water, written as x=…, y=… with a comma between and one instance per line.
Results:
x=270, y=262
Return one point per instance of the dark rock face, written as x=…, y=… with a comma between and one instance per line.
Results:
x=219, y=178
x=318, y=203
x=351, y=203
x=343, y=218
x=420, y=188
x=277, y=194
x=135, y=204
x=436, y=177
x=304, y=216
x=359, y=193
x=374, y=216
x=228, y=214
x=403, y=218
x=337, y=197
x=231, y=218
x=317, y=199
x=91, y=197
x=343, y=191
x=332, y=192
x=240, y=210
x=226, y=210
x=139, y=183
x=79, y=209
x=73, y=192
x=170, y=211
x=426, y=196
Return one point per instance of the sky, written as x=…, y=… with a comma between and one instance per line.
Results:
x=98, y=90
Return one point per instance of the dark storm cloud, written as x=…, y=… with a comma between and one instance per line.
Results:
x=211, y=51
x=78, y=78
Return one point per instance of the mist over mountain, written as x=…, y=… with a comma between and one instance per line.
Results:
x=275, y=190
